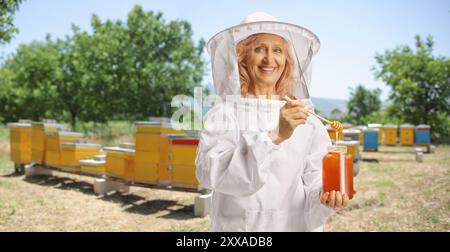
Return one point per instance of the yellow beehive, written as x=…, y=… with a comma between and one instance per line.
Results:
x=120, y=162
x=92, y=166
x=72, y=153
x=182, y=162
x=151, y=167
x=183, y=151
x=184, y=176
x=380, y=131
x=361, y=133
x=38, y=142
x=352, y=148
x=152, y=146
x=20, y=142
x=145, y=172
x=156, y=127
x=148, y=142
x=54, y=139
x=390, y=134
x=148, y=157
x=406, y=134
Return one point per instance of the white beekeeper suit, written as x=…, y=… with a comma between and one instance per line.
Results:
x=257, y=185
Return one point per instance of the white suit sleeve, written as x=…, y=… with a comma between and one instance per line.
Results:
x=232, y=162
x=315, y=212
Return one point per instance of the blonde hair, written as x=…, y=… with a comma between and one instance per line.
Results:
x=285, y=83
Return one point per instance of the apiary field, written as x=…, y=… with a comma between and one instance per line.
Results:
x=394, y=193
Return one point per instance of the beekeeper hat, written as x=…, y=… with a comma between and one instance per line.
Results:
x=222, y=47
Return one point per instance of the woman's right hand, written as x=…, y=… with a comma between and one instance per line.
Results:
x=292, y=114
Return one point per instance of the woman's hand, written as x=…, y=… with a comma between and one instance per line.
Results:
x=292, y=114
x=334, y=199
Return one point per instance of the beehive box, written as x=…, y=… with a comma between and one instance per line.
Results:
x=148, y=142
x=370, y=136
x=351, y=134
x=38, y=139
x=151, y=166
x=390, y=134
x=152, y=146
x=182, y=162
x=72, y=153
x=361, y=133
x=332, y=134
x=156, y=128
x=20, y=142
x=93, y=166
x=422, y=135
x=120, y=162
x=352, y=148
x=406, y=134
x=54, y=140
x=146, y=173
x=378, y=126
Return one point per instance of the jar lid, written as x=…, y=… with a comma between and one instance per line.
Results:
x=337, y=148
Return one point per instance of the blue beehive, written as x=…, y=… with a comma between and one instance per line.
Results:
x=370, y=142
x=422, y=134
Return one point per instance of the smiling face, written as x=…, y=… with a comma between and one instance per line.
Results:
x=265, y=65
x=266, y=60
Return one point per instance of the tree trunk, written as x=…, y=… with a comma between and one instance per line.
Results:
x=73, y=119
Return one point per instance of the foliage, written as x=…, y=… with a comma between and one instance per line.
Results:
x=122, y=70
x=420, y=85
x=7, y=28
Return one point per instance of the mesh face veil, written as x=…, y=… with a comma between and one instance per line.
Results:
x=302, y=43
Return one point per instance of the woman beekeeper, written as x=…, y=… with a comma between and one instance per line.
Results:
x=260, y=155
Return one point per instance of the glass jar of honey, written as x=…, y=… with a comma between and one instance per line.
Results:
x=337, y=173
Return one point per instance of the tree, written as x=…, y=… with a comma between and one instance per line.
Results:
x=362, y=103
x=165, y=62
x=7, y=28
x=122, y=70
x=27, y=85
x=420, y=84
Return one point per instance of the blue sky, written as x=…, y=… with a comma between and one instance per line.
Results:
x=351, y=32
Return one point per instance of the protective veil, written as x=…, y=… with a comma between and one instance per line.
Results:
x=257, y=185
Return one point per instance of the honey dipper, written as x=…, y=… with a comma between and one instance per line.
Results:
x=337, y=126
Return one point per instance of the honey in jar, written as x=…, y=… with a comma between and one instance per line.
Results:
x=337, y=171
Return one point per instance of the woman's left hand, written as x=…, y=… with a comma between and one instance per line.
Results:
x=334, y=199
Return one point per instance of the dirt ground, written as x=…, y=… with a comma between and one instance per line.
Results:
x=395, y=193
